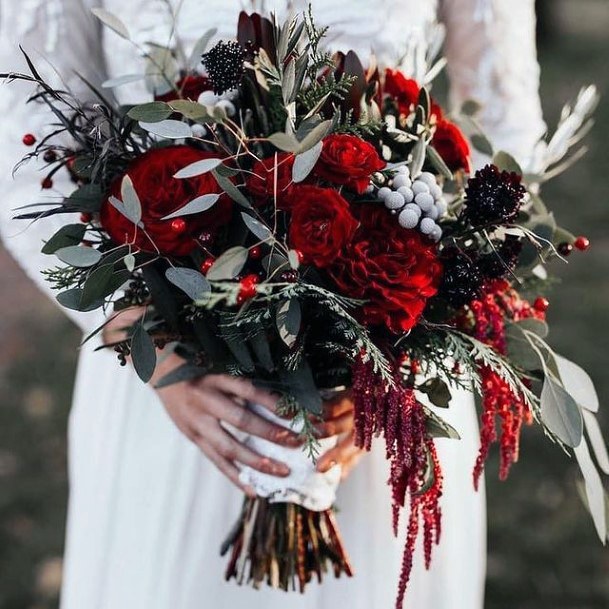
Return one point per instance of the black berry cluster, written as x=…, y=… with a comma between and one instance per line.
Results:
x=500, y=263
x=224, y=64
x=493, y=196
x=462, y=280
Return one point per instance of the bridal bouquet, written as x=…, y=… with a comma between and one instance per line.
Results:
x=310, y=222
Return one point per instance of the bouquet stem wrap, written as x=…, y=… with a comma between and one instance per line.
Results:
x=287, y=534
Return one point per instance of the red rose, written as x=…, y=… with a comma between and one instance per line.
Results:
x=394, y=269
x=349, y=161
x=452, y=146
x=161, y=194
x=190, y=87
x=321, y=224
x=405, y=92
x=261, y=184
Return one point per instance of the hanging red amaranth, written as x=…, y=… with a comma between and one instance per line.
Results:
x=395, y=413
x=500, y=302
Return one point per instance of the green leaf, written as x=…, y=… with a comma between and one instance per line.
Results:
x=259, y=343
x=301, y=385
x=190, y=281
x=190, y=109
x=200, y=47
x=482, y=144
x=129, y=261
x=285, y=142
x=168, y=129
x=437, y=391
x=229, y=264
x=519, y=349
x=595, y=435
x=260, y=230
x=288, y=319
x=231, y=190
x=439, y=428
x=153, y=112
x=305, y=162
x=315, y=136
x=506, y=162
x=470, y=107
x=112, y=21
x=560, y=413
x=577, y=382
x=196, y=206
x=418, y=158
x=70, y=234
x=96, y=285
x=79, y=256
x=88, y=198
x=71, y=299
x=143, y=353
x=438, y=162
x=131, y=201
x=536, y=326
x=198, y=168
x=181, y=374
x=238, y=347
x=119, y=81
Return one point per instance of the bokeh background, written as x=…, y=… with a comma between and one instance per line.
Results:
x=543, y=551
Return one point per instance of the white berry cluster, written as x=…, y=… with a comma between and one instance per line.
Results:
x=419, y=203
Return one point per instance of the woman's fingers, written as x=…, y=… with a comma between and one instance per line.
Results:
x=243, y=389
x=225, y=409
x=338, y=405
x=211, y=433
x=343, y=452
x=226, y=467
x=336, y=426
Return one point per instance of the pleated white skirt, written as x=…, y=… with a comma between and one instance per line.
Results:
x=148, y=512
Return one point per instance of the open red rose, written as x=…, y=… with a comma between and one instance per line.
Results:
x=348, y=161
x=393, y=269
x=161, y=194
x=452, y=146
x=405, y=93
x=321, y=224
x=188, y=87
x=261, y=183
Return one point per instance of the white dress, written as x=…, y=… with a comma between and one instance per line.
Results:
x=147, y=511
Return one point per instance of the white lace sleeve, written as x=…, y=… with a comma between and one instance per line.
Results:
x=492, y=58
x=62, y=38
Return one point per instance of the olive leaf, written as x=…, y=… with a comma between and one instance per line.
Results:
x=305, y=162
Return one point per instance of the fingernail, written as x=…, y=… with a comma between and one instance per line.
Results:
x=326, y=467
x=280, y=469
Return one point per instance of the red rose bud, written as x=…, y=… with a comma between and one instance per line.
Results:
x=178, y=225
x=582, y=243
x=47, y=183
x=451, y=145
x=29, y=139
x=541, y=304
x=255, y=252
x=85, y=218
x=206, y=265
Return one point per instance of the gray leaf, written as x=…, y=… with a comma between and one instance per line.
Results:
x=190, y=281
x=129, y=261
x=481, y=144
x=595, y=436
x=79, y=256
x=285, y=142
x=231, y=190
x=260, y=230
x=168, y=129
x=560, y=413
x=122, y=80
x=305, y=162
x=131, y=201
x=143, y=353
x=112, y=21
x=506, y=162
x=289, y=318
x=418, y=158
x=196, y=206
x=200, y=48
x=198, y=168
x=577, y=382
x=154, y=112
x=229, y=264
x=118, y=205
x=315, y=136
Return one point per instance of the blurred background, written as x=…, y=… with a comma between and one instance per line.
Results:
x=543, y=551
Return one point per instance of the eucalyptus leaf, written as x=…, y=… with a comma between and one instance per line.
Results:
x=168, y=129
x=537, y=326
x=200, y=47
x=196, y=206
x=315, y=136
x=131, y=201
x=418, y=158
x=70, y=234
x=519, y=349
x=577, y=382
x=183, y=373
x=87, y=198
x=259, y=343
x=285, y=142
x=198, y=168
x=96, y=285
x=560, y=413
x=260, y=230
x=506, y=162
x=238, y=347
x=289, y=318
x=229, y=264
x=470, y=107
x=482, y=144
x=143, y=353
x=112, y=21
x=595, y=435
x=437, y=391
x=153, y=112
x=438, y=162
x=305, y=162
x=231, y=190
x=294, y=259
x=79, y=256
x=119, y=81
x=190, y=109
x=119, y=206
x=129, y=261
x=191, y=282
x=71, y=299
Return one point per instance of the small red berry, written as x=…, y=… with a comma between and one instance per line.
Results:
x=255, y=252
x=582, y=243
x=541, y=304
x=47, y=183
x=565, y=249
x=206, y=265
x=251, y=279
x=86, y=218
x=178, y=225
x=299, y=255
x=29, y=139
x=50, y=156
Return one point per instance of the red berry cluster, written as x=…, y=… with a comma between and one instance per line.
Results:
x=581, y=243
x=248, y=288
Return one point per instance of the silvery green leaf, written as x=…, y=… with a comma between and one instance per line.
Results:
x=229, y=264
x=418, y=158
x=168, y=129
x=577, y=382
x=315, y=136
x=98, y=285
x=70, y=234
x=595, y=493
x=196, y=206
x=143, y=353
x=481, y=143
x=79, y=256
x=190, y=109
x=190, y=281
x=520, y=351
x=506, y=162
x=438, y=427
x=560, y=413
x=595, y=435
x=470, y=107
x=537, y=326
x=119, y=81
x=71, y=299
x=288, y=319
x=162, y=70
x=305, y=162
x=131, y=201
x=200, y=47
x=438, y=162
x=260, y=230
x=231, y=190
x=118, y=205
x=153, y=112
x=112, y=21
x=294, y=259
x=129, y=261
x=288, y=81
x=198, y=168
x=285, y=142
